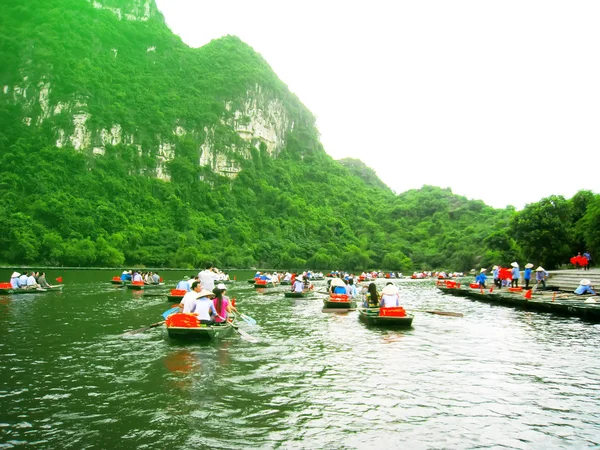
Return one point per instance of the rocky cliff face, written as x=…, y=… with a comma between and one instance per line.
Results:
x=257, y=118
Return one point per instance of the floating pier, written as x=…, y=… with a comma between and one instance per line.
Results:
x=562, y=303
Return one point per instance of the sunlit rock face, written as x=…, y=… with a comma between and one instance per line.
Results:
x=261, y=122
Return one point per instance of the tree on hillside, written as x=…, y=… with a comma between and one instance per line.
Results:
x=542, y=231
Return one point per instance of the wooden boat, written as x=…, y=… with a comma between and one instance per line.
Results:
x=186, y=326
x=251, y=281
x=118, y=281
x=268, y=284
x=176, y=295
x=139, y=286
x=202, y=332
x=10, y=290
x=340, y=301
x=285, y=282
x=371, y=316
x=295, y=294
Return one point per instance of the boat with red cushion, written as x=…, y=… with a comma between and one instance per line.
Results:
x=339, y=301
x=388, y=317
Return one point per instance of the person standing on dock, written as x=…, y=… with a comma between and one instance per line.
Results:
x=527, y=274
x=516, y=274
x=587, y=256
x=540, y=276
x=496, y=275
x=481, y=278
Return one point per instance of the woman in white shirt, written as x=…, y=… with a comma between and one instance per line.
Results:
x=390, y=297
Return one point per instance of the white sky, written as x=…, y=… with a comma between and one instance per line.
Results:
x=498, y=100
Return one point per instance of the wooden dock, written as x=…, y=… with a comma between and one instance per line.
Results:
x=562, y=303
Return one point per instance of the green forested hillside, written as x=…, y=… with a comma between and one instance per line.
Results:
x=293, y=208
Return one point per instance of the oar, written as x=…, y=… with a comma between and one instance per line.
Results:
x=245, y=335
x=141, y=330
x=440, y=313
x=249, y=320
x=170, y=311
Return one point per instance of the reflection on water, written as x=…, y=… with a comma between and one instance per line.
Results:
x=496, y=378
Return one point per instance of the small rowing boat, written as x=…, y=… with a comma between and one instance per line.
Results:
x=381, y=317
x=186, y=326
x=118, y=281
x=295, y=294
x=10, y=290
x=140, y=285
x=176, y=295
x=341, y=301
x=268, y=284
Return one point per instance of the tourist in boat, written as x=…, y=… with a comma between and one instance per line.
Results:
x=125, y=276
x=390, y=297
x=42, y=281
x=372, y=296
x=14, y=280
x=204, y=307
x=188, y=302
x=527, y=274
x=481, y=278
x=351, y=288
x=585, y=287
x=183, y=285
x=337, y=286
x=515, y=274
x=298, y=285
x=137, y=277
x=23, y=280
x=540, y=276
x=155, y=278
x=207, y=277
x=31, y=282
x=221, y=303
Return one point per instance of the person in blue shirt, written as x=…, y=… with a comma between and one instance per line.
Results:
x=481, y=278
x=585, y=287
x=527, y=274
x=589, y=258
x=516, y=274
x=183, y=284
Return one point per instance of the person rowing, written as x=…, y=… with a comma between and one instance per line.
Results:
x=298, y=285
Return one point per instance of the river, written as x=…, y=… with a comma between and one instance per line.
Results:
x=495, y=378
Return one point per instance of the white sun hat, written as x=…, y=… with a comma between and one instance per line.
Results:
x=585, y=282
x=540, y=269
x=528, y=266
x=338, y=282
x=390, y=289
x=494, y=268
x=15, y=274
x=514, y=264
x=482, y=270
x=205, y=293
x=222, y=286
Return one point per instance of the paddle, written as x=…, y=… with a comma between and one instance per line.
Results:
x=249, y=320
x=440, y=313
x=245, y=335
x=170, y=311
x=141, y=330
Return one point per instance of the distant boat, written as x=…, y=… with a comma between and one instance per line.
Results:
x=9, y=290
x=139, y=285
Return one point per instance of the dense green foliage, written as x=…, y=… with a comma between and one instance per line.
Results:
x=66, y=207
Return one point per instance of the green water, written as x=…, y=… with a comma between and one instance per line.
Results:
x=495, y=378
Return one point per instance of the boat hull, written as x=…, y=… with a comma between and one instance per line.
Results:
x=142, y=287
x=372, y=317
x=174, y=298
x=30, y=291
x=268, y=285
x=329, y=304
x=120, y=282
x=295, y=294
x=203, y=332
